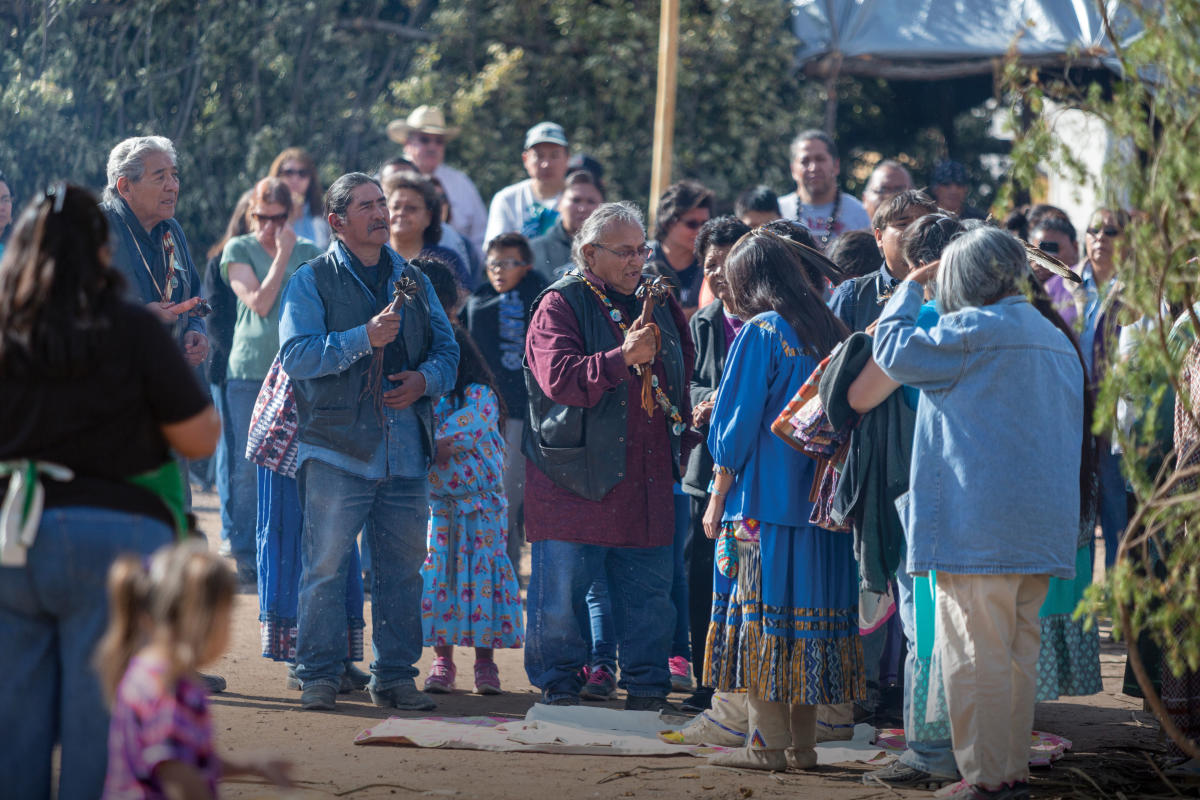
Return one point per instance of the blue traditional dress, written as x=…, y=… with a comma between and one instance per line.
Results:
x=272, y=446
x=797, y=586
x=471, y=597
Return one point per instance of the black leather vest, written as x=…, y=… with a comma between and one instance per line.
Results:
x=583, y=449
x=335, y=411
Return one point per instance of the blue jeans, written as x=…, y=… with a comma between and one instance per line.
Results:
x=220, y=459
x=639, y=581
x=681, y=641
x=598, y=622
x=243, y=477
x=52, y=613
x=336, y=506
x=1113, y=511
x=935, y=757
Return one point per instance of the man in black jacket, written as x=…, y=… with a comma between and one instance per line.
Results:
x=713, y=329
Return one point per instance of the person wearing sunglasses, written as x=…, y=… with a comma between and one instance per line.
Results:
x=682, y=210
x=256, y=266
x=425, y=134
x=1100, y=308
x=299, y=171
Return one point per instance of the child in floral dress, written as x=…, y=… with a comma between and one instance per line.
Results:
x=471, y=598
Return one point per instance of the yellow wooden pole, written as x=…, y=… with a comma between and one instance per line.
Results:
x=664, y=108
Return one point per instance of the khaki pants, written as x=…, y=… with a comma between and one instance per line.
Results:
x=988, y=639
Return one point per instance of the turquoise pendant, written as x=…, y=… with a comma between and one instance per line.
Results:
x=677, y=428
x=616, y=315
x=654, y=381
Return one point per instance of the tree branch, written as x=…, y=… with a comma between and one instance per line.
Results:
x=365, y=25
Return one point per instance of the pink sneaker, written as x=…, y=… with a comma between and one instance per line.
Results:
x=681, y=674
x=601, y=685
x=487, y=677
x=441, y=676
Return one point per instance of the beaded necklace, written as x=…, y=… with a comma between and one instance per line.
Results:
x=660, y=397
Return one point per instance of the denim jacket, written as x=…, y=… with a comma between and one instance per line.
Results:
x=995, y=464
x=309, y=350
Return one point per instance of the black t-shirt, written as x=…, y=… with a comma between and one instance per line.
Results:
x=104, y=423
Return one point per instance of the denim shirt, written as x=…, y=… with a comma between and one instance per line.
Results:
x=308, y=350
x=995, y=465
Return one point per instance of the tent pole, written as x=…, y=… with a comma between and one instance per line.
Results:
x=664, y=108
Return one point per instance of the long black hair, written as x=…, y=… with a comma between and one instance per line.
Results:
x=1089, y=455
x=57, y=290
x=472, y=368
x=767, y=272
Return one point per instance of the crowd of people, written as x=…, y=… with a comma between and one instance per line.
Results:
x=765, y=459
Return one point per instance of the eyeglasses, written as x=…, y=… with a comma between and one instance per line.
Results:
x=505, y=264
x=425, y=138
x=628, y=255
x=294, y=173
x=263, y=219
x=1111, y=233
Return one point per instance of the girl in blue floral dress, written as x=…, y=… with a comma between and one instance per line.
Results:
x=471, y=597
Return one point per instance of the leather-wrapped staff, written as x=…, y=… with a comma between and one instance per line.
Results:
x=652, y=290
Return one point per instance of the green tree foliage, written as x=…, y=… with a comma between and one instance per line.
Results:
x=501, y=66
x=1155, y=588
x=232, y=83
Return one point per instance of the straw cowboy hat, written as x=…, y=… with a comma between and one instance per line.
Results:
x=425, y=119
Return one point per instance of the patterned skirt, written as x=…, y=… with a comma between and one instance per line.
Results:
x=788, y=630
x=471, y=597
x=280, y=527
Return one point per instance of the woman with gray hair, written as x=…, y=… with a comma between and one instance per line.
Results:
x=600, y=467
x=999, y=430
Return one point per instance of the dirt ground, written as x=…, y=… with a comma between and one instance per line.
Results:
x=1112, y=738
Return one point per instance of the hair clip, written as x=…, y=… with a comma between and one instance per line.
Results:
x=57, y=192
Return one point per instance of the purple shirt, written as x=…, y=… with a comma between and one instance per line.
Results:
x=732, y=326
x=640, y=510
x=152, y=723
x=1062, y=298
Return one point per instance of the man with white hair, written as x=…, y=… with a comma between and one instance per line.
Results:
x=150, y=248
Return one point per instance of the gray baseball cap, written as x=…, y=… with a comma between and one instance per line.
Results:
x=545, y=132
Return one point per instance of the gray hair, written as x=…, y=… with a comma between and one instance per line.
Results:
x=605, y=217
x=979, y=267
x=337, y=196
x=128, y=160
x=820, y=136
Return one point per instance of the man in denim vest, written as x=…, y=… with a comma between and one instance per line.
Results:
x=367, y=352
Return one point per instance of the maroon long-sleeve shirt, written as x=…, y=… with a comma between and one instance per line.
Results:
x=640, y=510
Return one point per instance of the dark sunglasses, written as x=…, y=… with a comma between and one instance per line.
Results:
x=430, y=139
x=294, y=173
x=1049, y=247
x=263, y=219
x=1111, y=233
x=691, y=224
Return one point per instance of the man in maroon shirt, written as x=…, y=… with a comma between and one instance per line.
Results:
x=598, y=498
